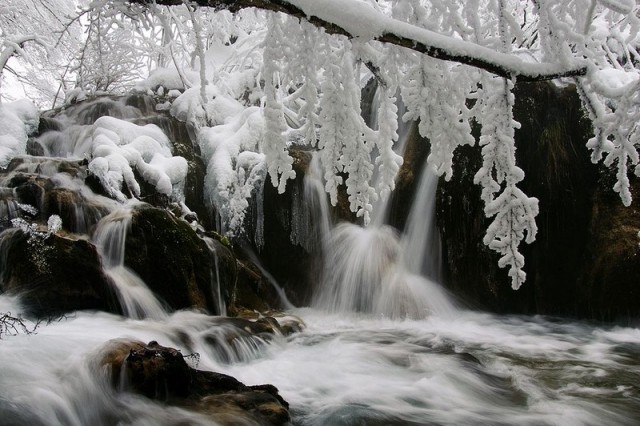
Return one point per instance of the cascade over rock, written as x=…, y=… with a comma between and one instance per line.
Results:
x=290, y=247
x=161, y=373
x=176, y=263
x=181, y=262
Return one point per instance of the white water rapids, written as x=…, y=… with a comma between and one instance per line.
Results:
x=343, y=370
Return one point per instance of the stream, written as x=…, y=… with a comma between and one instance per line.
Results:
x=357, y=369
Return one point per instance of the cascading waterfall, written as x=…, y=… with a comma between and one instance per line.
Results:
x=317, y=206
x=365, y=272
x=215, y=279
x=375, y=270
x=421, y=248
x=136, y=300
x=403, y=362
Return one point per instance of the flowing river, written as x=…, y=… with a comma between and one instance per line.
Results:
x=343, y=369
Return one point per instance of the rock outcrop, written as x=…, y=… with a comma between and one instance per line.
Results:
x=584, y=258
x=53, y=274
x=176, y=263
x=161, y=373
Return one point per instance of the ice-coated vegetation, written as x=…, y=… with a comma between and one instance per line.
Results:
x=255, y=77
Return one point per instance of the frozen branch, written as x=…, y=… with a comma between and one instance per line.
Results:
x=359, y=20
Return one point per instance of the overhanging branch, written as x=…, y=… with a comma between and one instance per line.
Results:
x=388, y=30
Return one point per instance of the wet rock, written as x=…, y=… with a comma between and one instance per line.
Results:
x=608, y=289
x=176, y=263
x=32, y=184
x=34, y=147
x=291, y=235
x=408, y=179
x=584, y=259
x=47, y=124
x=47, y=166
x=161, y=373
x=77, y=213
x=284, y=256
x=53, y=274
x=30, y=189
x=253, y=290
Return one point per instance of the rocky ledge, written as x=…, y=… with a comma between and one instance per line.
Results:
x=162, y=374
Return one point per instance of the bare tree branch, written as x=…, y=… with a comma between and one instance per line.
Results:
x=12, y=326
x=408, y=36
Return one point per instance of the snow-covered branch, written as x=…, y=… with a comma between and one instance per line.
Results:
x=14, y=46
x=361, y=21
x=514, y=211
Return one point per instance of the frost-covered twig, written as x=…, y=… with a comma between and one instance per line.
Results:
x=356, y=19
x=514, y=212
x=279, y=162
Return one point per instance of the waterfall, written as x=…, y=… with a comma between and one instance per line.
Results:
x=317, y=205
x=375, y=270
x=364, y=272
x=421, y=246
x=136, y=300
x=215, y=279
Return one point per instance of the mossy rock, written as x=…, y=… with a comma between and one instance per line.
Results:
x=54, y=275
x=174, y=262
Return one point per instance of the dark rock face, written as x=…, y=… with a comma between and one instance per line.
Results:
x=291, y=249
x=415, y=156
x=289, y=262
x=161, y=373
x=608, y=288
x=175, y=263
x=254, y=290
x=53, y=274
x=583, y=258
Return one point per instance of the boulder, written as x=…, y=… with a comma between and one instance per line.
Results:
x=161, y=373
x=176, y=263
x=54, y=274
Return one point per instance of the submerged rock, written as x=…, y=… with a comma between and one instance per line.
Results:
x=161, y=373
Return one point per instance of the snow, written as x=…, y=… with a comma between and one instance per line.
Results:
x=624, y=7
x=119, y=148
x=612, y=82
x=17, y=121
x=234, y=167
x=364, y=22
x=74, y=95
x=54, y=224
x=167, y=78
x=357, y=17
